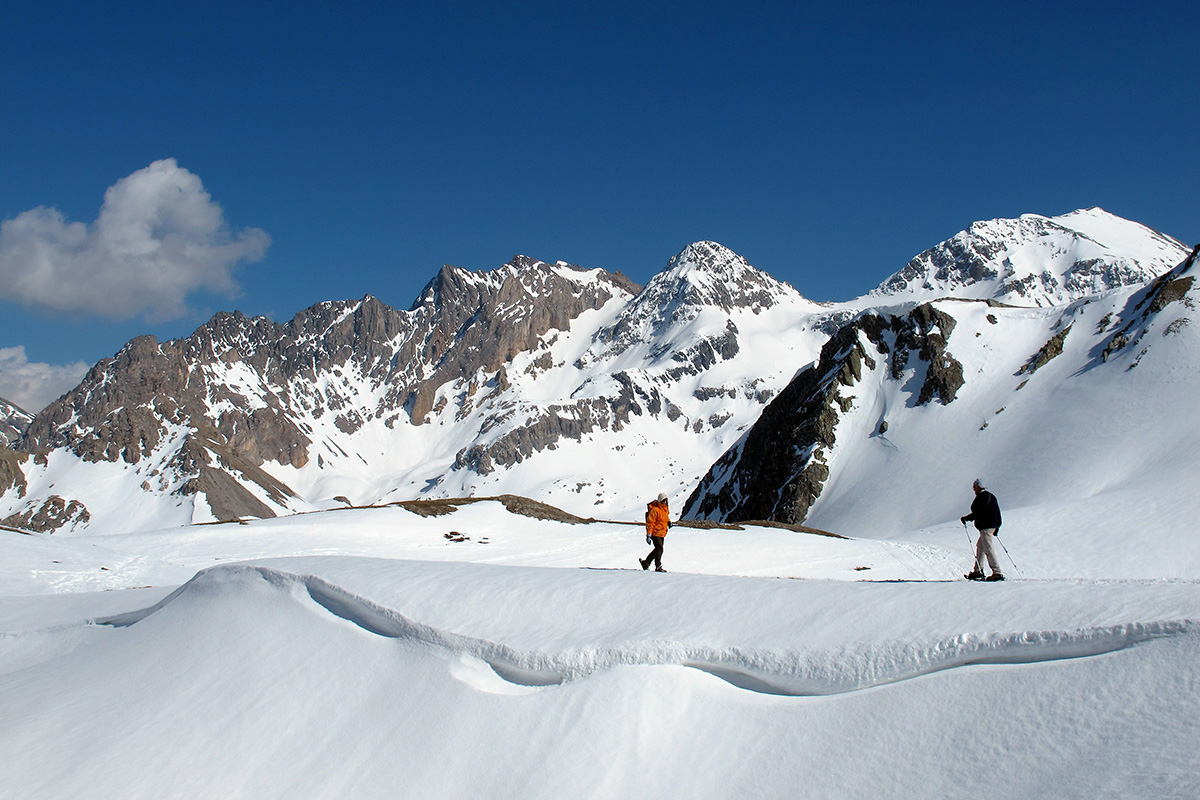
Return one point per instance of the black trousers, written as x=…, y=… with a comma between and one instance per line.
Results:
x=656, y=553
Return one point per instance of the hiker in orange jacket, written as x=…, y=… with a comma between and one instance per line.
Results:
x=658, y=520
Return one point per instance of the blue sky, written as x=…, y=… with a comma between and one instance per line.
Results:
x=326, y=151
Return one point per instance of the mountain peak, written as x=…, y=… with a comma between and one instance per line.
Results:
x=1036, y=260
x=704, y=279
x=709, y=258
x=707, y=273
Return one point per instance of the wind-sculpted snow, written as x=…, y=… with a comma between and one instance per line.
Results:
x=794, y=671
x=455, y=669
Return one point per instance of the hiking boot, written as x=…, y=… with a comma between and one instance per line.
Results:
x=645, y=564
x=974, y=575
x=659, y=569
x=995, y=576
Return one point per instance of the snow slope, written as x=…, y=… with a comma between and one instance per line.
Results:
x=377, y=653
x=1082, y=443
x=1080, y=418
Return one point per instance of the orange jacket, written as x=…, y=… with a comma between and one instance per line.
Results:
x=658, y=518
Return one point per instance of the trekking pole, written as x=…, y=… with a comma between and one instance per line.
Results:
x=1010, y=558
x=971, y=549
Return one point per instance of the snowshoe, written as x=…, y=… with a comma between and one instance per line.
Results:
x=995, y=576
x=974, y=575
x=645, y=564
x=659, y=569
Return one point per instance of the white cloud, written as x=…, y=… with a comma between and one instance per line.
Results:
x=32, y=385
x=158, y=238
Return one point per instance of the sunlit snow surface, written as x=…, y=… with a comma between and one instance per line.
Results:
x=376, y=653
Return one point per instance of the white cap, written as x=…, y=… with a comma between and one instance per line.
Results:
x=662, y=497
x=978, y=483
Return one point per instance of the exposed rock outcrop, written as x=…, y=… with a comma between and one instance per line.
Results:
x=14, y=420
x=51, y=515
x=11, y=474
x=1170, y=288
x=779, y=468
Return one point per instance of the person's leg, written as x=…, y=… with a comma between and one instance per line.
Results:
x=987, y=543
x=656, y=553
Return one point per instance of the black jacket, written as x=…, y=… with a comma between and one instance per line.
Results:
x=985, y=511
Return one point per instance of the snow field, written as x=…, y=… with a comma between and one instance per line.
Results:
x=327, y=676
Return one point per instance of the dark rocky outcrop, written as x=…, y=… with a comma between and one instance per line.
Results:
x=11, y=474
x=54, y=513
x=1170, y=288
x=1049, y=351
x=926, y=331
x=779, y=468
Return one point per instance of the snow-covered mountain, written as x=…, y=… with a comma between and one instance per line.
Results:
x=543, y=379
x=570, y=385
x=1088, y=408
x=1036, y=260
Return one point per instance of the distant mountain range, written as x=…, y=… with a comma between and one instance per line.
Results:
x=715, y=383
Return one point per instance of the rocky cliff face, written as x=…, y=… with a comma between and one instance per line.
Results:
x=471, y=323
x=12, y=477
x=13, y=422
x=211, y=409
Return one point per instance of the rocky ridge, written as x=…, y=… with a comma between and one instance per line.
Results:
x=205, y=413
x=251, y=417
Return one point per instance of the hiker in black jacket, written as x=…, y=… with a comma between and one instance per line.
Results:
x=985, y=511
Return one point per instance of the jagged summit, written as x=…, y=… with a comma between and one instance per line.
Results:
x=709, y=274
x=703, y=279
x=1037, y=261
